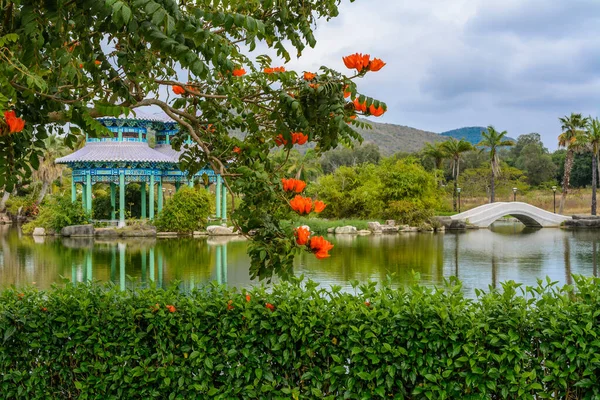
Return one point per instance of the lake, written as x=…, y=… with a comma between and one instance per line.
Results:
x=480, y=258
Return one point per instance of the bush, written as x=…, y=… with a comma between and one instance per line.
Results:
x=56, y=213
x=185, y=212
x=26, y=204
x=299, y=341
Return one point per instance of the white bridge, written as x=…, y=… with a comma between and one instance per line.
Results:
x=483, y=216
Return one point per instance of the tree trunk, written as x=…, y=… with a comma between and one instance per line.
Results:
x=43, y=191
x=4, y=200
x=566, y=179
x=493, y=188
x=594, y=184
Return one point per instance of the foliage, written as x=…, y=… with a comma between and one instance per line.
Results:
x=185, y=212
x=26, y=204
x=320, y=225
x=296, y=340
x=475, y=181
x=534, y=160
x=350, y=157
x=56, y=213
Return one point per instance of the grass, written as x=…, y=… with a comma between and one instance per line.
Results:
x=320, y=226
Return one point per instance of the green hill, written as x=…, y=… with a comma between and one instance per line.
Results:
x=471, y=134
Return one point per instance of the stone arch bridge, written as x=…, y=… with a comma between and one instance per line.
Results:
x=531, y=216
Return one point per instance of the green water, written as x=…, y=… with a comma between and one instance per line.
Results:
x=479, y=258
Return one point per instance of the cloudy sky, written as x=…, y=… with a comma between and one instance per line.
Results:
x=514, y=64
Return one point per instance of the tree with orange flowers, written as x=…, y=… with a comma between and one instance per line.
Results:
x=97, y=58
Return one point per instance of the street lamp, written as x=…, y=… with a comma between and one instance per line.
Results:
x=514, y=194
x=554, y=195
x=458, y=192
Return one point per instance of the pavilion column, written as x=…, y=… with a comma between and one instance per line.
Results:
x=218, y=195
x=73, y=190
x=143, y=192
x=121, y=198
x=151, y=198
x=113, y=200
x=160, y=195
x=191, y=183
x=224, y=205
x=88, y=193
x=83, y=196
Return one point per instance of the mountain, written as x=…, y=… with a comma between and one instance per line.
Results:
x=393, y=138
x=471, y=134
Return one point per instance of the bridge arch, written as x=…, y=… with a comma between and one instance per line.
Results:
x=531, y=216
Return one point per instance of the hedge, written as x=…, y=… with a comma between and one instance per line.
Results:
x=296, y=340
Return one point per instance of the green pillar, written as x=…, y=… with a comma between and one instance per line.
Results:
x=218, y=194
x=113, y=264
x=224, y=205
x=120, y=134
x=160, y=195
x=88, y=200
x=151, y=263
x=122, y=266
x=73, y=190
x=121, y=198
x=113, y=200
x=83, y=196
x=219, y=264
x=141, y=135
x=151, y=197
x=143, y=191
x=167, y=139
x=191, y=183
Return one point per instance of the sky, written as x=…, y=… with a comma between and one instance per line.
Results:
x=518, y=65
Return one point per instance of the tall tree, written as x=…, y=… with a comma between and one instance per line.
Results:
x=438, y=153
x=592, y=138
x=47, y=171
x=492, y=141
x=455, y=149
x=573, y=128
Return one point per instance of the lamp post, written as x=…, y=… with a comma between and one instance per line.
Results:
x=458, y=192
x=514, y=194
x=554, y=195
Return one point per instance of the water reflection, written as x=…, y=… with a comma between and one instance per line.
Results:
x=479, y=258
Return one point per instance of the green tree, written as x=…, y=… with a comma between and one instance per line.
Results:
x=185, y=212
x=436, y=152
x=592, y=138
x=302, y=166
x=350, y=157
x=492, y=141
x=455, y=149
x=537, y=164
x=73, y=61
x=573, y=128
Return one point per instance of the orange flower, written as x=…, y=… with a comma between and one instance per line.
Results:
x=319, y=206
x=376, y=112
x=80, y=65
x=302, y=205
x=237, y=150
x=279, y=140
x=360, y=106
x=178, y=89
x=293, y=185
x=346, y=92
x=230, y=305
x=299, y=138
x=14, y=124
x=313, y=85
x=273, y=70
x=44, y=309
x=299, y=185
x=320, y=247
x=97, y=62
x=357, y=61
x=368, y=303
x=376, y=65
x=270, y=306
x=248, y=298
x=302, y=235
x=309, y=76
x=239, y=72
x=171, y=308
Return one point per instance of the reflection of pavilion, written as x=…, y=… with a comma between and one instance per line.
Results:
x=125, y=157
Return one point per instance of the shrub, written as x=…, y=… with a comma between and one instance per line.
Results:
x=185, y=212
x=295, y=340
x=26, y=204
x=56, y=213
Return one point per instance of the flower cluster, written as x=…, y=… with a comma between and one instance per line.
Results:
x=362, y=62
x=362, y=107
x=309, y=76
x=297, y=138
x=293, y=185
x=239, y=72
x=273, y=70
x=317, y=244
x=304, y=205
x=301, y=235
x=15, y=124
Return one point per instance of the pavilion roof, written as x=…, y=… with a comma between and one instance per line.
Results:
x=116, y=152
x=169, y=151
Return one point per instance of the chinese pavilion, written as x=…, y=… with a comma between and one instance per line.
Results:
x=124, y=157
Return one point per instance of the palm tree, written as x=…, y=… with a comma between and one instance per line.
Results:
x=438, y=153
x=592, y=138
x=492, y=141
x=572, y=127
x=48, y=171
x=454, y=149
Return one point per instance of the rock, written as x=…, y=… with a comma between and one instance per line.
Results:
x=78, y=230
x=586, y=223
x=586, y=217
x=389, y=229
x=138, y=231
x=451, y=224
x=167, y=234
x=390, y=222
x=441, y=229
x=200, y=233
x=39, y=232
x=346, y=230
x=106, y=232
x=217, y=230
x=330, y=230
x=410, y=229
x=374, y=226
x=364, y=232
x=5, y=219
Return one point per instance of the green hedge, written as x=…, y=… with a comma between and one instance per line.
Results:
x=97, y=342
